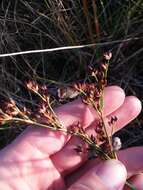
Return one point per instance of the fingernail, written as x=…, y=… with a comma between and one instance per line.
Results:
x=113, y=174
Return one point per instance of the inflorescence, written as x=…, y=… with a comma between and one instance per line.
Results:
x=91, y=91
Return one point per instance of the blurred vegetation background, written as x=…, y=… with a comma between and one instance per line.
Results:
x=41, y=24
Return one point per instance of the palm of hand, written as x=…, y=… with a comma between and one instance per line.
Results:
x=41, y=159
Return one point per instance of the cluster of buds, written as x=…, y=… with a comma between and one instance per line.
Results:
x=44, y=111
x=100, y=72
x=4, y=118
x=32, y=86
x=98, y=144
x=100, y=135
x=92, y=92
x=77, y=128
x=90, y=140
x=112, y=121
x=9, y=111
x=46, y=114
x=40, y=90
x=10, y=108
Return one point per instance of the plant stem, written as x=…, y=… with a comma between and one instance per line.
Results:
x=130, y=185
x=56, y=127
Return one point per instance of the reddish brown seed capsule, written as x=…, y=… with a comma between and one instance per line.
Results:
x=107, y=56
x=32, y=85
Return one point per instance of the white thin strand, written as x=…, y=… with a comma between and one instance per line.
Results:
x=65, y=48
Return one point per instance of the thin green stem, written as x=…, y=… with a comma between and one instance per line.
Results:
x=100, y=114
x=130, y=185
x=40, y=96
x=29, y=121
x=56, y=127
x=51, y=109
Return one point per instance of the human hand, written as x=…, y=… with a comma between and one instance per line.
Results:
x=40, y=159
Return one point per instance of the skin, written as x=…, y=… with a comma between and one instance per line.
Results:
x=40, y=159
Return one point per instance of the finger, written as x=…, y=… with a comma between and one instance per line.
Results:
x=77, y=111
x=68, y=159
x=109, y=175
x=132, y=158
x=136, y=181
x=127, y=112
x=49, y=142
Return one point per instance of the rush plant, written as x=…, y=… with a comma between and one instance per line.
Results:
x=91, y=92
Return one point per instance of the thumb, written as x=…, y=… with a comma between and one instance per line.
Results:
x=109, y=175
